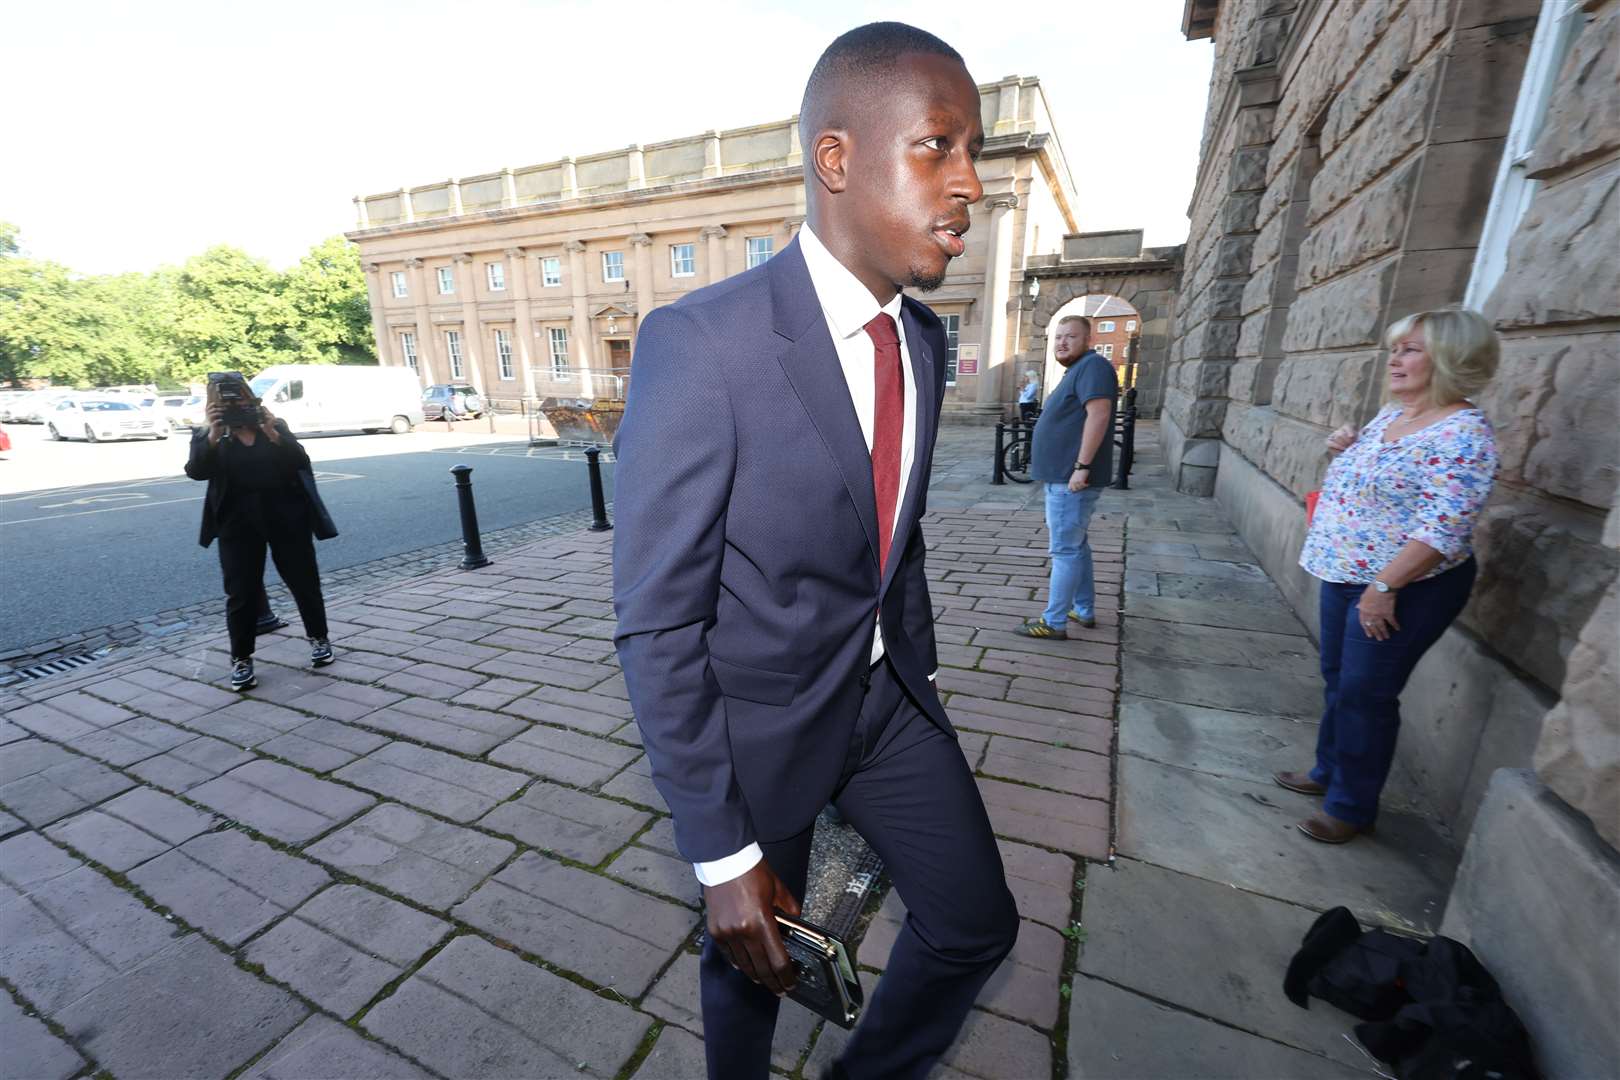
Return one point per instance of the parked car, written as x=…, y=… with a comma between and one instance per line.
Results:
x=183, y=410
x=458, y=399
x=8, y=400
x=36, y=407
x=341, y=397
x=97, y=419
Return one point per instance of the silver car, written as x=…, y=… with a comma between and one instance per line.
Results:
x=104, y=419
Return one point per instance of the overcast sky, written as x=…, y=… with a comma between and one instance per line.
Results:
x=138, y=134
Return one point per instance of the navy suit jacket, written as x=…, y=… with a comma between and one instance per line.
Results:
x=745, y=566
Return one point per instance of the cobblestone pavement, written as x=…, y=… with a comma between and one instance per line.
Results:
x=443, y=855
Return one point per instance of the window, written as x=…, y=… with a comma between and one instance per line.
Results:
x=551, y=272
x=452, y=339
x=407, y=345
x=682, y=261
x=1107, y=351
x=612, y=266
x=503, y=352
x=1130, y=326
x=760, y=249
x=400, y=290
x=1106, y=327
x=1560, y=23
x=559, y=351
x=447, y=281
x=953, y=324
x=496, y=274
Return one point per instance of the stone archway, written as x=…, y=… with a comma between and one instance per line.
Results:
x=1147, y=282
x=1115, y=325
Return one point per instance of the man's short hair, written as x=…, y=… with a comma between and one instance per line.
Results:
x=1081, y=319
x=867, y=53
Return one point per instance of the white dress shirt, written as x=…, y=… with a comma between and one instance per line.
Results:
x=848, y=306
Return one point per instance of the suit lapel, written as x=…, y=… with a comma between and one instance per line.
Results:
x=810, y=361
x=922, y=369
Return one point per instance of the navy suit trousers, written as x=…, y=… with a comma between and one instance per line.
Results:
x=908, y=790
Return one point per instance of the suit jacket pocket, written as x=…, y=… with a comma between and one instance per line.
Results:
x=752, y=683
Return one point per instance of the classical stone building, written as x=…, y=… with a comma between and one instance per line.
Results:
x=1366, y=160
x=529, y=282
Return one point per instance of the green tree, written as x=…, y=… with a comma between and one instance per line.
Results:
x=327, y=294
x=66, y=329
x=229, y=315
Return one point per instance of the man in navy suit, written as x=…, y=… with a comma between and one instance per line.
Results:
x=774, y=623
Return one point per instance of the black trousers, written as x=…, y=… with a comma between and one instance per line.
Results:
x=908, y=791
x=242, y=547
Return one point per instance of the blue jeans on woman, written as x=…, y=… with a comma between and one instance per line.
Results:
x=1073, y=585
x=1364, y=678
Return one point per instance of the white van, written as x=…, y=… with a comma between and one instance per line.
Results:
x=342, y=397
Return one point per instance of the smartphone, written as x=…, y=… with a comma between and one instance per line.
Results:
x=230, y=390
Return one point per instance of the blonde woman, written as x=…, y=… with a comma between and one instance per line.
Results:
x=1391, y=541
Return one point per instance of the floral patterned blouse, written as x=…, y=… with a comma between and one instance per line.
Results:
x=1376, y=496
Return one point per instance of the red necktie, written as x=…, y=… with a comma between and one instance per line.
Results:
x=888, y=427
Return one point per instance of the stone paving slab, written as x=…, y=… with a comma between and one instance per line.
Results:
x=1033, y=723
x=31, y=1052
x=1051, y=819
x=567, y=756
x=280, y=801
x=323, y=745
x=568, y=823
x=164, y=1018
x=635, y=784
x=1287, y=653
x=676, y=1055
x=1117, y=1035
x=476, y=1010
x=322, y=1047
x=1058, y=768
x=444, y=784
x=1240, y=745
x=428, y=861
x=674, y=998
x=229, y=884
x=1220, y=687
x=113, y=843
x=1041, y=881
x=10, y=824
x=40, y=782
x=452, y=727
x=1242, y=834
x=1240, y=946
x=194, y=762
x=609, y=933
x=345, y=945
x=161, y=815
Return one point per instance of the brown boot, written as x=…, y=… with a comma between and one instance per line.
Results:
x=1328, y=829
x=1300, y=782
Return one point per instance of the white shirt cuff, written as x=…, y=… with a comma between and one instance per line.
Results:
x=723, y=870
x=934, y=675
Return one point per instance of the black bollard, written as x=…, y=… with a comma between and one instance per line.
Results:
x=471, y=546
x=593, y=465
x=995, y=468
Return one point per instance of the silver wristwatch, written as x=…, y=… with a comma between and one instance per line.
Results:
x=1380, y=586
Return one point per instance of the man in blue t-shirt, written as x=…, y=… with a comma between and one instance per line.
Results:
x=1073, y=455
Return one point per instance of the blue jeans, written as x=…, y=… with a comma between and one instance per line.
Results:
x=1363, y=680
x=1073, y=585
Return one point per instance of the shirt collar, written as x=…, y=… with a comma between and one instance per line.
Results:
x=847, y=304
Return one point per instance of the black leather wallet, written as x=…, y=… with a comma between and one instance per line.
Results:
x=827, y=982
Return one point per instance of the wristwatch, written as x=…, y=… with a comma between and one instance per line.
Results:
x=1079, y=465
x=1379, y=586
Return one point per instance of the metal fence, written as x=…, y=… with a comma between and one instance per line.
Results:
x=1014, y=443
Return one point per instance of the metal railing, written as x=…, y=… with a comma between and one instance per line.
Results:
x=1015, y=442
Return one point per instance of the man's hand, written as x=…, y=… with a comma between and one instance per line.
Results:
x=216, y=424
x=1079, y=480
x=742, y=922
x=1340, y=440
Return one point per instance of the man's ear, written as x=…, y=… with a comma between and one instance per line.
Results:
x=829, y=156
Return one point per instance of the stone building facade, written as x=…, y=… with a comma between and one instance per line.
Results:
x=530, y=282
x=1362, y=161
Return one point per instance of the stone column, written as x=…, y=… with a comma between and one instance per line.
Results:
x=570, y=179
x=997, y=286
x=379, y=317
x=508, y=188
x=407, y=212
x=425, y=345
x=795, y=147
x=644, y=277
x=362, y=214
x=715, y=254
x=636, y=168
x=454, y=184
x=793, y=224
x=472, y=352
x=579, y=331
x=711, y=155
x=517, y=279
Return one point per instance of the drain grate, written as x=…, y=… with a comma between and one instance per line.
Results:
x=60, y=666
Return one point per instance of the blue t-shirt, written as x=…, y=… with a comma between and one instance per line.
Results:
x=1063, y=419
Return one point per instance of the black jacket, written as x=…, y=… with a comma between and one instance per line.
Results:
x=205, y=464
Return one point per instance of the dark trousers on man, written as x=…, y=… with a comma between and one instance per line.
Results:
x=908, y=790
x=242, y=547
x=1363, y=679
